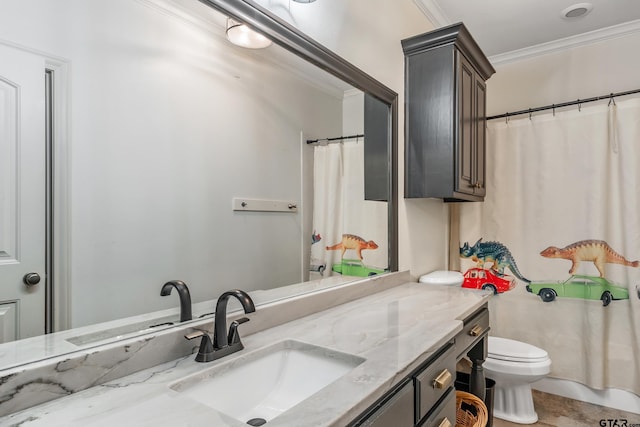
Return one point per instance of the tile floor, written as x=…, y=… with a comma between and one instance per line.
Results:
x=558, y=411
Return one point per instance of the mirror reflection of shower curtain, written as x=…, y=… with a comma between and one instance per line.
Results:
x=339, y=208
x=328, y=171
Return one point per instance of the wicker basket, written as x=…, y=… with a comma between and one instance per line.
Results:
x=470, y=410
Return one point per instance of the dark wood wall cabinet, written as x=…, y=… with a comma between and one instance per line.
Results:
x=445, y=115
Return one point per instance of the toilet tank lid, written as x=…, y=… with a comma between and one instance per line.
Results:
x=506, y=349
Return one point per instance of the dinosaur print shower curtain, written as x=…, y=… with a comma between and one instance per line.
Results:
x=562, y=217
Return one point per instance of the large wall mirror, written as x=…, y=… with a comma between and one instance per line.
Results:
x=178, y=155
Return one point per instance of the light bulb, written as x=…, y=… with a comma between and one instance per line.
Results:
x=241, y=35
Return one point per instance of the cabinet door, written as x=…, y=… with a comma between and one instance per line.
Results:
x=396, y=412
x=480, y=96
x=466, y=127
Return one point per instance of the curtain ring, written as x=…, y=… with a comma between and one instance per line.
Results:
x=529, y=113
x=554, y=109
x=611, y=100
x=506, y=118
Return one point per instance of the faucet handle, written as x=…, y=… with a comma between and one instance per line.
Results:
x=195, y=334
x=205, y=352
x=234, y=336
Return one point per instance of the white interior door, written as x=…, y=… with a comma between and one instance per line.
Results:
x=22, y=193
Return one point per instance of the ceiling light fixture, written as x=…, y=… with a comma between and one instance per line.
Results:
x=577, y=10
x=304, y=1
x=241, y=35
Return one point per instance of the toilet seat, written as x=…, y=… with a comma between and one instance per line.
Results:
x=515, y=351
x=496, y=368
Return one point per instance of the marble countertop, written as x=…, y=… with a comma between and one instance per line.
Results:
x=392, y=330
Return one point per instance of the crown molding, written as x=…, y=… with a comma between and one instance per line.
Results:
x=434, y=13
x=615, y=31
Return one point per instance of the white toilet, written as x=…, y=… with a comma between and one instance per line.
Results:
x=514, y=365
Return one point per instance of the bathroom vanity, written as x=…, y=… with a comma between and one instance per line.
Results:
x=389, y=351
x=426, y=397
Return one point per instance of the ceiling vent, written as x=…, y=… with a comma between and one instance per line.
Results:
x=577, y=10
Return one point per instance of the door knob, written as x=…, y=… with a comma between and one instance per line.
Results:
x=31, y=279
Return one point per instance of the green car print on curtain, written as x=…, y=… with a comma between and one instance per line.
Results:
x=577, y=286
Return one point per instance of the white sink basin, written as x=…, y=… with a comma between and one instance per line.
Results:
x=267, y=382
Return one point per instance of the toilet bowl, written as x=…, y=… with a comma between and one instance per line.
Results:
x=514, y=365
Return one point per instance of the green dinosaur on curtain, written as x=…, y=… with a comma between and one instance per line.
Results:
x=597, y=251
x=495, y=252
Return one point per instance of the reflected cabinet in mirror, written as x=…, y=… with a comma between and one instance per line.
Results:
x=172, y=154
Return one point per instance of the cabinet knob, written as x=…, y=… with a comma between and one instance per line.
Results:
x=443, y=380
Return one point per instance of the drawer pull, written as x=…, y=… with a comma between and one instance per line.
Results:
x=476, y=331
x=445, y=423
x=443, y=380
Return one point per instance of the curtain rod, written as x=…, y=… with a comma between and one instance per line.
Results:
x=339, y=138
x=564, y=104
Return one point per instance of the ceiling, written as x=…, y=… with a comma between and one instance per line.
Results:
x=505, y=26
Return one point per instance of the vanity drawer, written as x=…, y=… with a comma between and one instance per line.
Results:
x=396, y=412
x=434, y=382
x=444, y=415
x=474, y=328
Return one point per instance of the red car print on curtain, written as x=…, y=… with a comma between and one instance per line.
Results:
x=480, y=278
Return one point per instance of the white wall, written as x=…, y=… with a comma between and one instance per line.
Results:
x=578, y=73
x=368, y=33
x=168, y=123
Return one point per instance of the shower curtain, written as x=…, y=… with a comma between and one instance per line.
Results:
x=339, y=208
x=563, y=193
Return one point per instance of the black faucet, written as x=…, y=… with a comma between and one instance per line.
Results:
x=223, y=344
x=183, y=293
